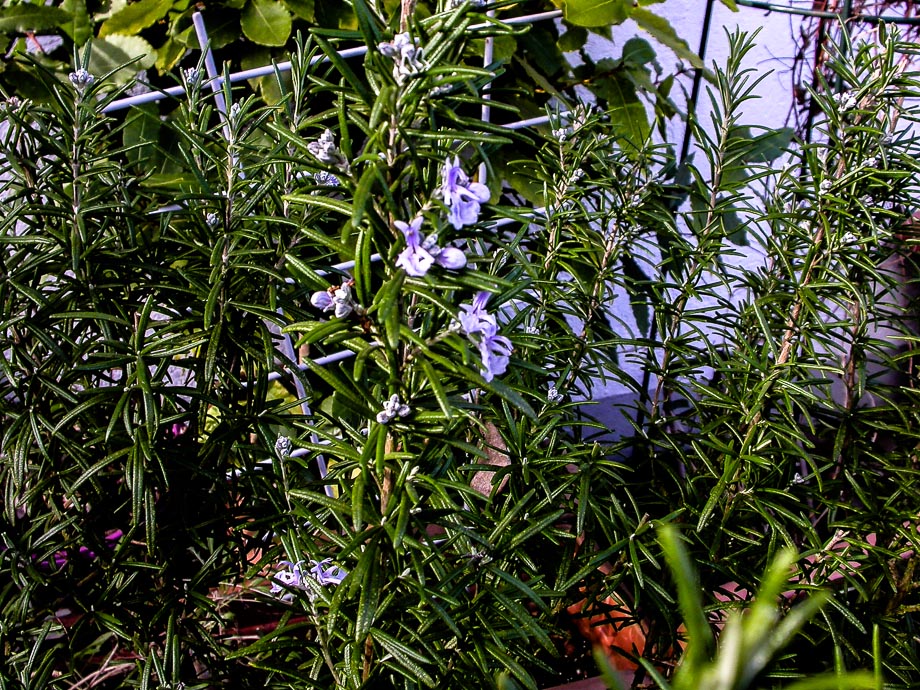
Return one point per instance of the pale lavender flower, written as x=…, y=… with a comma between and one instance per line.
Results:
x=326, y=178
x=392, y=408
x=193, y=78
x=81, y=79
x=310, y=580
x=327, y=152
x=422, y=252
x=338, y=300
x=414, y=259
x=327, y=574
x=406, y=55
x=450, y=258
x=473, y=317
x=283, y=446
x=140, y=84
x=446, y=257
x=284, y=580
x=463, y=197
x=322, y=300
x=42, y=44
x=495, y=351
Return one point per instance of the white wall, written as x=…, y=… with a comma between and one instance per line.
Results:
x=770, y=58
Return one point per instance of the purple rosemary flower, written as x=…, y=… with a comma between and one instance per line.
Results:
x=463, y=197
x=319, y=575
x=327, y=574
x=421, y=252
x=81, y=79
x=447, y=257
x=473, y=317
x=337, y=299
x=414, y=259
x=406, y=55
x=392, y=408
x=495, y=351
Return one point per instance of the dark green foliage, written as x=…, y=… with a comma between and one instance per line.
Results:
x=150, y=266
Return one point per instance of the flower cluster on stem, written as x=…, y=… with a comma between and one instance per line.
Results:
x=462, y=196
x=326, y=151
x=406, y=55
x=392, y=408
x=296, y=576
x=494, y=349
x=422, y=252
x=336, y=299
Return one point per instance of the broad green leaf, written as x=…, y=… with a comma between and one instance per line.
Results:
x=20, y=18
x=112, y=52
x=169, y=54
x=662, y=31
x=626, y=111
x=302, y=9
x=637, y=51
x=336, y=14
x=573, y=38
x=597, y=12
x=135, y=17
x=140, y=134
x=111, y=8
x=730, y=4
x=266, y=22
x=770, y=145
x=78, y=25
x=268, y=85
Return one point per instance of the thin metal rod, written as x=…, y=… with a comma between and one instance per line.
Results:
x=697, y=81
x=823, y=14
x=202, y=32
x=287, y=346
x=268, y=70
x=488, y=54
x=531, y=122
x=526, y=19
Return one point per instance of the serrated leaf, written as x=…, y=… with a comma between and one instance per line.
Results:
x=135, y=17
x=597, y=12
x=266, y=22
x=21, y=18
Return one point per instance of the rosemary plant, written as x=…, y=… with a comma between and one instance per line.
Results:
x=414, y=489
